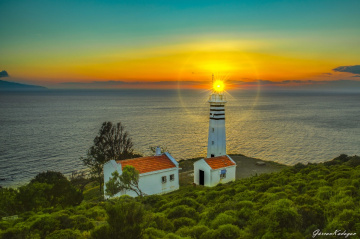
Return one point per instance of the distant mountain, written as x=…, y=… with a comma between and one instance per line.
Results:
x=7, y=85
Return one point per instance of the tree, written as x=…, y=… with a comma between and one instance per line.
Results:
x=79, y=180
x=48, y=189
x=128, y=180
x=112, y=143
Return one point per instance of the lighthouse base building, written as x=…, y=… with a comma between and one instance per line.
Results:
x=212, y=171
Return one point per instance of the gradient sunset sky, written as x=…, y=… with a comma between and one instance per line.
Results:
x=157, y=44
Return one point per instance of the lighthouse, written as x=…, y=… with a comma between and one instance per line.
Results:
x=217, y=137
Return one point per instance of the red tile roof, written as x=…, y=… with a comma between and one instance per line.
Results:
x=148, y=164
x=219, y=162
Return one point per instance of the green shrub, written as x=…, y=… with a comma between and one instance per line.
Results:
x=45, y=225
x=159, y=221
x=48, y=189
x=101, y=232
x=312, y=214
x=346, y=220
x=284, y=215
x=212, y=195
x=197, y=231
x=210, y=234
x=174, y=236
x=324, y=193
x=183, y=221
x=153, y=233
x=96, y=213
x=222, y=219
x=8, y=202
x=228, y=231
x=4, y=225
x=183, y=211
x=81, y=222
x=62, y=234
x=184, y=231
x=125, y=219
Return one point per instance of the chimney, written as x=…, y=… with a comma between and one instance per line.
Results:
x=157, y=151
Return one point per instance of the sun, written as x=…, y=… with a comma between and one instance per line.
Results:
x=218, y=86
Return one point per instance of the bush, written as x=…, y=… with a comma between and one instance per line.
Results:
x=312, y=215
x=8, y=203
x=182, y=211
x=125, y=219
x=96, y=213
x=101, y=232
x=354, y=161
x=183, y=221
x=222, y=219
x=62, y=234
x=184, y=231
x=81, y=222
x=197, y=231
x=4, y=225
x=14, y=233
x=228, y=232
x=324, y=193
x=45, y=225
x=48, y=189
x=159, y=221
x=153, y=233
x=284, y=215
x=210, y=234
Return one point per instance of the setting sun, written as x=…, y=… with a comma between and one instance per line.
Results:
x=218, y=86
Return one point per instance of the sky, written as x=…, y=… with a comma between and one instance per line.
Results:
x=167, y=44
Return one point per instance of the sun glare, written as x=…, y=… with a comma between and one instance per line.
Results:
x=218, y=86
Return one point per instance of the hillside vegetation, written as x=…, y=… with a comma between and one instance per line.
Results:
x=292, y=203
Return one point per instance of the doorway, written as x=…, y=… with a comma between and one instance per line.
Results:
x=201, y=177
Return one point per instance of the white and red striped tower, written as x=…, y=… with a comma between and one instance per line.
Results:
x=217, y=136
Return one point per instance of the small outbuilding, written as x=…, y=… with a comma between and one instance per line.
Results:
x=212, y=171
x=158, y=174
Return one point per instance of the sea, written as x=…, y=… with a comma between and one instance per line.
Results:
x=52, y=129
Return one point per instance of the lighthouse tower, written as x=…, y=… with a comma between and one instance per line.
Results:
x=217, y=137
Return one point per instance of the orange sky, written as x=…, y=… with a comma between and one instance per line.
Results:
x=177, y=42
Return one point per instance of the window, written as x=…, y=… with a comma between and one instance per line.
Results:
x=212, y=142
x=213, y=130
x=223, y=173
x=172, y=177
x=163, y=179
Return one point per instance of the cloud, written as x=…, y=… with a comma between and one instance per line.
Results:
x=326, y=74
x=336, y=85
x=272, y=83
x=124, y=84
x=351, y=69
x=119, y=83
x=4, y=74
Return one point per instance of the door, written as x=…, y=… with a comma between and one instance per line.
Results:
x=201, y=179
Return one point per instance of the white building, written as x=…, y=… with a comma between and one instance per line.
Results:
x=217, y=137
x=212, y=171
x=157, y=174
